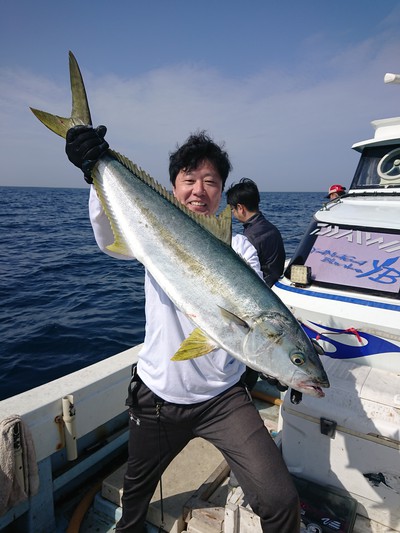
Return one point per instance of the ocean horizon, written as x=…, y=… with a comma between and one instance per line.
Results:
x=67, y=305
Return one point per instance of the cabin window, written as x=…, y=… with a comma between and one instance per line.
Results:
x=379, y=166
x=351, y=257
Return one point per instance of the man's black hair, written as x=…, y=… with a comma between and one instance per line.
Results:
x=198, y=148
x=245, y=193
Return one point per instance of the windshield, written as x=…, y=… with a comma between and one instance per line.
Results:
x=379, y=166
x=351, y=257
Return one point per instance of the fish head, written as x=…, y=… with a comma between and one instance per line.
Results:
x=277, y=346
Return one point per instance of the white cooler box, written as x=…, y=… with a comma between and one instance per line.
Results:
x=350, y=438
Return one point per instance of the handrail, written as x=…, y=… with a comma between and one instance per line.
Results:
x=99, y=395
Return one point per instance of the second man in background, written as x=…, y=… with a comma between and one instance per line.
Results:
x=244, y=199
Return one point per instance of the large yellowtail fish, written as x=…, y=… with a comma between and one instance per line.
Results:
x=191, y=258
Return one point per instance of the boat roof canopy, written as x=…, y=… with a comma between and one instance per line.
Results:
x=387, y=131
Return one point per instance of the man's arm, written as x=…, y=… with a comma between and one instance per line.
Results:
x=246, y=250
x=84, y=147
x=272, y=252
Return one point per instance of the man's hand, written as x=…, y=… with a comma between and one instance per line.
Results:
x=84, y=147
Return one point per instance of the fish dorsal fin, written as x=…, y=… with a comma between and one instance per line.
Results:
x=220, y=227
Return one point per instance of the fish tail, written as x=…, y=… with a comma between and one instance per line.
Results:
x=80, y=108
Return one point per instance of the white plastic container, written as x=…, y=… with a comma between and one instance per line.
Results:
x=350, y=438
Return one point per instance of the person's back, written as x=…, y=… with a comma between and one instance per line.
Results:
x=244, y=199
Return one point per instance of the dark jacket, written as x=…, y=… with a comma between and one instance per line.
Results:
x=267, y=240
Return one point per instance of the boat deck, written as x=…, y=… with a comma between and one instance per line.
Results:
x=205, y=501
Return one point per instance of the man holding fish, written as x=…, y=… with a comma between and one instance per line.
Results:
x=202, y=397
x=208, y=315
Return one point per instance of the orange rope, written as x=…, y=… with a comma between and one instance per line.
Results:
x=266, y=397
x=82, y=508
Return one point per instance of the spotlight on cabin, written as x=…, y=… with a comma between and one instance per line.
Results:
x=300, y=275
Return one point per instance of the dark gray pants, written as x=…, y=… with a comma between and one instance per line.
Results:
x=230, y=422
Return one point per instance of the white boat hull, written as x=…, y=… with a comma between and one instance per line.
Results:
x=348, y=326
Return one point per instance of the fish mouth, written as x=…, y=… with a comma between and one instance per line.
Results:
x=313, y=390
x=309, y=385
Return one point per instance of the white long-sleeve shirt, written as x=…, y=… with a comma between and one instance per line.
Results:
x=181, y=382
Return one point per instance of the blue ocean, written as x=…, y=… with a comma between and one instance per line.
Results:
x=66, y=305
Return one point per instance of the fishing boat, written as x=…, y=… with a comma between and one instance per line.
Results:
x=343, y=285
x=343, y=281
x=64, y=444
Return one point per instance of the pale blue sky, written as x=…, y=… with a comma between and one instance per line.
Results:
x=288, y=85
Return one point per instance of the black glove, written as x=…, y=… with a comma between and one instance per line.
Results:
x=84, y=147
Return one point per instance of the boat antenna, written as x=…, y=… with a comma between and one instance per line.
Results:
x=391, y=78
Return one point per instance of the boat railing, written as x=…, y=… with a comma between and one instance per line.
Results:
x=94, y=396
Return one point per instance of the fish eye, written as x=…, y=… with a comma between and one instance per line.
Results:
x=297, y=359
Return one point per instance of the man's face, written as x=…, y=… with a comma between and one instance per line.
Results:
x=200, y=189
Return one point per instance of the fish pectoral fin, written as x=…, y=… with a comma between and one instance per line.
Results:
x=195, y=345
x=231, y=317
